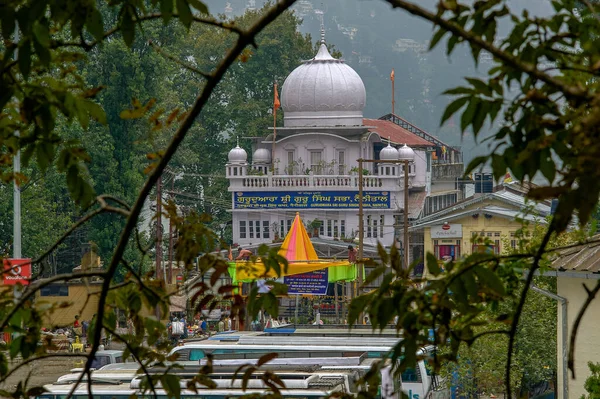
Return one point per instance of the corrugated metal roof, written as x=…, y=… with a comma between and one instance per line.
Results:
x=511, y=214
x=581, y=258
x=396, y=133
x=415, y=204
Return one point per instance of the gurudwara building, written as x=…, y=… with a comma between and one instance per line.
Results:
x=310, y=164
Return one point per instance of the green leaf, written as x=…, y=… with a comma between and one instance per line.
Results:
x=45, y=154
x=166, y=9
x=480, y=114
x=41, y=33
x=200, y=6
x=95, y=111
x=547, y=166
x=469, y=113
x=490, y=279
x=480, y=86
x=357, y=306
x=498, y=166
x=94, y=23
x=8, y=21
x=453, y=107
x=25, y=58
x=127, y=27
x=437, y=36
x=185, y=14
x=475, y=162
x=459, y=90
x=432, y=265
x=171, y=385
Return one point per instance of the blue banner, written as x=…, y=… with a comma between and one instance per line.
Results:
x=311, y=283
x=310, y=199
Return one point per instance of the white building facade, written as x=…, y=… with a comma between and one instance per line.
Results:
x=310, y=165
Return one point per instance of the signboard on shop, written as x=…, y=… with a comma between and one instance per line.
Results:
x=17, y=271
x=447, y=230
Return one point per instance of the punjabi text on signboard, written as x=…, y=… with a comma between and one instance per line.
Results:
x=310, y=199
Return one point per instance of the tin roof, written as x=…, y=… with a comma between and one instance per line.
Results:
x=580, y=258
x=396, y=133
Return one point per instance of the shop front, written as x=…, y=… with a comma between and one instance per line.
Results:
x=447, y=239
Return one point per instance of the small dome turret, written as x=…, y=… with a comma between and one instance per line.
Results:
x=237, y=155
x=261, y=156
x=388, y=153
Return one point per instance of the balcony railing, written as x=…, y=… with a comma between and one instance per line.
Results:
x=317, y=182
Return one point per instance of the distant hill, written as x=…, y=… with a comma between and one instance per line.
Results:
x=373, y=39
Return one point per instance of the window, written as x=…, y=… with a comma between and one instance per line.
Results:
x=374, y=227
x=496, y=234
x=335, y=228
x=368, y=226
x=282, y=228
x=381, y=223
x=513, y=244
x=315, y=162
x=55, y=290
x=251, y=229
x=343, y=228
x=242, y=229
x=289, y=225
x=329, y=228
x=322, y=229
x=341, y=163
x=265, y=233
x=290, y=162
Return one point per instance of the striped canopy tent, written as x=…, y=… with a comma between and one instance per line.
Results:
x=301, y=256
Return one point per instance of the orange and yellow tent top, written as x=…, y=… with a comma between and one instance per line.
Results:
x=299, y=252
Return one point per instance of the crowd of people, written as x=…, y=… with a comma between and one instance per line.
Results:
x=179, y=328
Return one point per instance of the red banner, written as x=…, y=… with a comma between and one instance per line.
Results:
x=17, y=271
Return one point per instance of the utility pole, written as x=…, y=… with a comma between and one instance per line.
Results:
x=361, y=226
x=170, y=273
x=159, y=257
x=17, y=254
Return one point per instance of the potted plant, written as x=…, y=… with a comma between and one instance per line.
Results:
x=315, y=225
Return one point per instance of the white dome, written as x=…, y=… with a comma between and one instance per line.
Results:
x=237, y=155
x=323, y=91
x=262, y=155
x=406, y=153
x=388, y=153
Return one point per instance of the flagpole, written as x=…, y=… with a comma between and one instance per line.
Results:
x=274, y=126
x=393, y=102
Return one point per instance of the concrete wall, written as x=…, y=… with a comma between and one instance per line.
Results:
x=587, y=347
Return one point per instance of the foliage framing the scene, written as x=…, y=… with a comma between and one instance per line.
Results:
x=543, y=86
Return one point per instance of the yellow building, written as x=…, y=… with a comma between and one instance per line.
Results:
x=449, y=233
x=576, y=270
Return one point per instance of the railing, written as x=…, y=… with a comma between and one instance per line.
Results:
x=451, y=170
x=420, y=132
x=316, y=181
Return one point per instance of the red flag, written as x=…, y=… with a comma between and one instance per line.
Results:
x=276, y=103
x=392, y=75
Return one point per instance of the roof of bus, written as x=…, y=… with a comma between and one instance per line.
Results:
x=288, y=347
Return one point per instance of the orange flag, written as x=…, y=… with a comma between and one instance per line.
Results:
x=392, y=75
x=276, y=103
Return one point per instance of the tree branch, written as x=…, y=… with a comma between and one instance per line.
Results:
x=245, y=38
x=187, y=66
x=104, y=207
x=515, y=323
x=506, y=58
x=148, y=17
x=591, y=295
